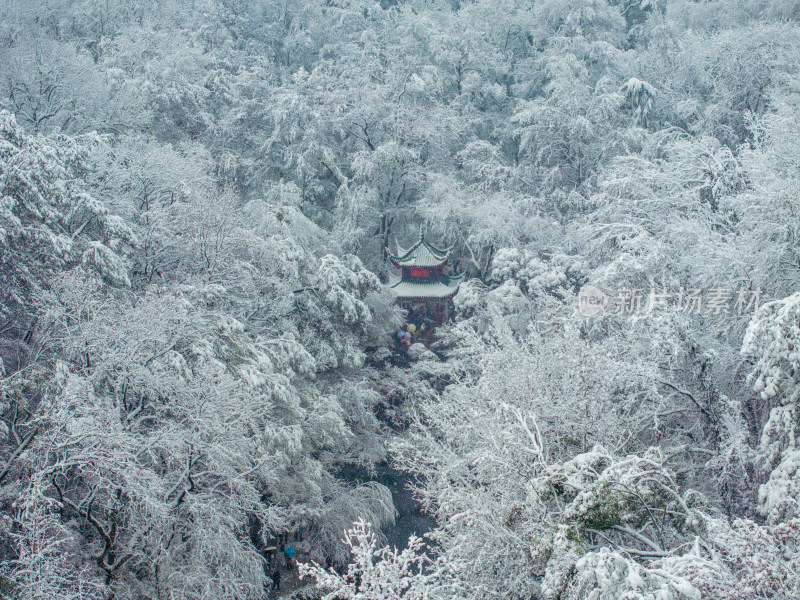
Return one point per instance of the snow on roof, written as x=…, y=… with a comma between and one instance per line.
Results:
x=421, y=254
x=444, y=288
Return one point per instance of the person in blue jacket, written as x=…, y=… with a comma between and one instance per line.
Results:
x=289, y=554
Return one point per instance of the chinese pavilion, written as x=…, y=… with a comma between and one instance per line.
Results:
x=422, y=286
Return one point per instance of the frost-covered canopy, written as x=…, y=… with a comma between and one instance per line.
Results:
x=203, y=204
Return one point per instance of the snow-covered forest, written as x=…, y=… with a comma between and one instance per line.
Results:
x=199, y=367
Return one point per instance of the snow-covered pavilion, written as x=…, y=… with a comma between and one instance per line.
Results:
x=422, y=286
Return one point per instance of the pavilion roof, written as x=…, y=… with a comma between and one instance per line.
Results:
x=421, y=254
x=446, y=287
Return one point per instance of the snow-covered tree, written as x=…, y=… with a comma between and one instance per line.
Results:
x=375, y=572
x=771, y=340
x=50, y=220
